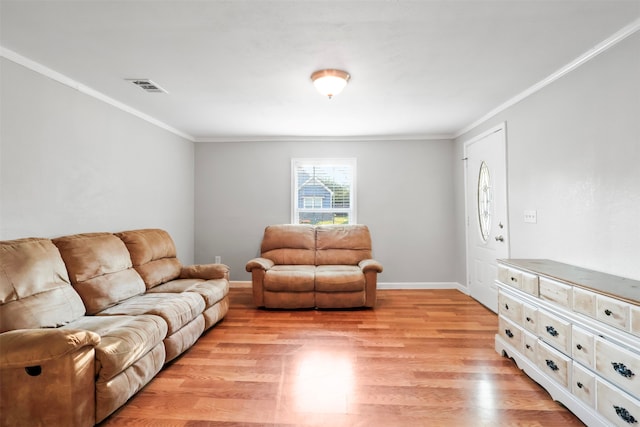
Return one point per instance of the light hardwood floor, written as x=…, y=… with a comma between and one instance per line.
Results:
x=420, y=358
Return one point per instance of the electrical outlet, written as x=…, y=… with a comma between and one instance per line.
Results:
x=531, y=216
x=218, y=259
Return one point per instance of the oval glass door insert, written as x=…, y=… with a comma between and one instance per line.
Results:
x=484, y=201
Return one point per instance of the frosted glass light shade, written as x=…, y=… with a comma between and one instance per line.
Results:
x=330, y=82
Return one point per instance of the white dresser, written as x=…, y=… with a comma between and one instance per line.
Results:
x=576, y=332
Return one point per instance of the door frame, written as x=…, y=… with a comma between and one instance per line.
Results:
x=502, y=126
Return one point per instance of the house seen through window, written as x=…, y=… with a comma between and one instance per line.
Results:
x=323, y=191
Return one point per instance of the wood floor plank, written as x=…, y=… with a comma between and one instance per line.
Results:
x=421, y=357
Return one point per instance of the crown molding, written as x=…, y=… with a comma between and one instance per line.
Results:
x=67, y=81
x=606, y=44
x=320, y=138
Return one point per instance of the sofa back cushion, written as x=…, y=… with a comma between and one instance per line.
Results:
x=100, y=269
x=342, y=244
x=35, y=291
x=153, y=254
x=289, y=244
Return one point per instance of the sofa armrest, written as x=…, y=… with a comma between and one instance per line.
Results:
x=370, y=265
x=205, y=271
x=33, y=347
x=260, y=263
x=48, y=377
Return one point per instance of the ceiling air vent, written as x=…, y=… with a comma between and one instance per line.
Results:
x=147, y=85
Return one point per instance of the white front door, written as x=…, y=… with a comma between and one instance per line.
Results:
x=486, y=208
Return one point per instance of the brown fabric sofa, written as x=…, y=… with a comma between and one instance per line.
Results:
x=306, y=266
x=82, y=330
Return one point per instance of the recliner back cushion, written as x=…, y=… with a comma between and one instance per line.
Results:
x=289, y=244
x=342, y=244
x=153, y=254
x=35, y=291
x=100, y=269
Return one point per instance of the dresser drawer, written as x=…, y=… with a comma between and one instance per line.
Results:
x=554, y=331
x=613, y=312
x=530, y=346
x=510, y=308
x=583, y=384
x=530, y=283
x=553, y=363
x=584, y=302
x=635, y=320
x=618, y=407
x=509, y=276
x=555, y=292
x=618, y=365
x=511, y=332
x=583, y=346
x=530, y=317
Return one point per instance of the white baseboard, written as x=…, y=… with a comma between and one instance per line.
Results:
x=423, y=285
x=385, y=285
x=239, y=283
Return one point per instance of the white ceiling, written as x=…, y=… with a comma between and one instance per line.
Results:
x=240, y=69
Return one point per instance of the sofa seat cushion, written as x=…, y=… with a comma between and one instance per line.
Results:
x=176, y=309
x=290, y=278
x=123, y=340
x=339, y=278
x=213, y=291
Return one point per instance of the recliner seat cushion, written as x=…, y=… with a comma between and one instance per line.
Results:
x=213, y=291
x=290, y=278
x=177, y=310
x=123, y=340
x=339, y=278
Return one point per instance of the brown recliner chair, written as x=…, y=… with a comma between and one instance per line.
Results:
x=306, y=266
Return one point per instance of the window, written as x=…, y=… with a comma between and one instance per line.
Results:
x=323, y=191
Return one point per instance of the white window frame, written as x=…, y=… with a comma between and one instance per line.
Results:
x=351, y=162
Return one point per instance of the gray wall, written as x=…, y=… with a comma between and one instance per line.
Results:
x=404, y=194
x=70, y=163
x=574, y=156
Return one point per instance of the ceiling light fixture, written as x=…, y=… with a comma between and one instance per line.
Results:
x=330, y=82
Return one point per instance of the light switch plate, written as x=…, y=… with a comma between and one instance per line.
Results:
x=531, y=216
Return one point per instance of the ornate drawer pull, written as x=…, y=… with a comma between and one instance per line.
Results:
x=552, y=331
x=506, y=306
x=579, y=384
x=528, y=346
x=622, y=369
x=579, y=347
x=513, y=279
x=552, y=365
x=528, y=319
x=625, y=415
x=608, y=312
x=509, y=333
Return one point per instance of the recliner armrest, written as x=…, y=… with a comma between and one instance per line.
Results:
x=33, y=347
x=260, y=263
x=370, y=265
x=205, y=271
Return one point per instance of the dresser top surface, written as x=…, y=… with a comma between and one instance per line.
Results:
x=603, y=283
